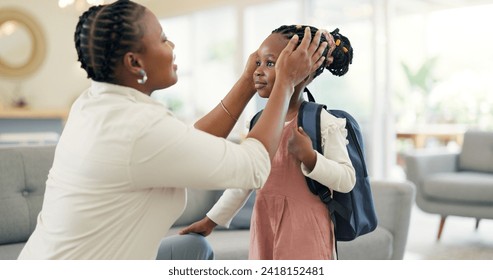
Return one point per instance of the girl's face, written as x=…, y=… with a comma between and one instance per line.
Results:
x=158, y=55
x=268, y=53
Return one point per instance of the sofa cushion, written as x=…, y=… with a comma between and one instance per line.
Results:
x=234, y=245
x=243, y=217
x=36, y=175
x=473, y=187
x=14, y=211
x=198, y=204
x=230, y=244
x=22, y=190
x=477, y=152
x=376, y=245
x=227, y=244
x=11, y=251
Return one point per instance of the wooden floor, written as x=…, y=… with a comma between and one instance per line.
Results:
x=459, y=240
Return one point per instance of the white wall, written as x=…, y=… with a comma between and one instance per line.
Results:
x=170, y=8
x=59, y=79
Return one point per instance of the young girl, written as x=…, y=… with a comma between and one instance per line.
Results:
x=288, y=221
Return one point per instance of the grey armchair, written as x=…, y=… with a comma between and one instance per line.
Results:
x=457, y=184
x=393, y=202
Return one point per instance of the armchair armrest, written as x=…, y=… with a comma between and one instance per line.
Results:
x=421, y=165
x=393, y=203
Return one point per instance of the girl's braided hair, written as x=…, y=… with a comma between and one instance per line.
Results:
x=343, y=53
x=104, y=34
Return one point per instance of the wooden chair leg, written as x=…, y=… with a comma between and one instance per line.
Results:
x=440, y=229
x=477, y=223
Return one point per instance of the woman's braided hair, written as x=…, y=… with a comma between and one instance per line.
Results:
x=343, y=53
x=104, y=34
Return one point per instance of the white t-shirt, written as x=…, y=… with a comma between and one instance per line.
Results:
x=120, y=174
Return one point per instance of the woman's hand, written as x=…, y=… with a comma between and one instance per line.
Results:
x=296, y=63
x=250, y=67
x=300, y=146
x=203, y=227
x=332, y=46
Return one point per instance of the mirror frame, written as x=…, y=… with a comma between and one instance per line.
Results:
x=37, y=54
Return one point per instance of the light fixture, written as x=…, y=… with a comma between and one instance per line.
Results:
x=79, y=5
x=8, y=28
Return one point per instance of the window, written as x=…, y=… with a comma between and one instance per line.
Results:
x=388, y=37
x=448, y=64
x=205, y=46
x=259, y=22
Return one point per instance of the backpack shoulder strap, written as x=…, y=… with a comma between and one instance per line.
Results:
x=309, y=120
x=255, y=118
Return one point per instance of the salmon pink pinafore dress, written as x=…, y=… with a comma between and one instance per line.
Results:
x=288, y=221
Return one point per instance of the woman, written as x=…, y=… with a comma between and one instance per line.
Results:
x=123, y=162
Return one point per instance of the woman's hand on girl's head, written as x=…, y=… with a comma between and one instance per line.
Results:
x=296, y=63
x=250, y=67
x=330, y=40
x=332, y=46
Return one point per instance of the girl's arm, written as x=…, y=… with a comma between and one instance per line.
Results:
x=332, y=169
x=222, y=213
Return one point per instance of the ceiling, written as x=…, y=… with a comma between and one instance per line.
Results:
x=339, y=11
x=420, y=6
x=355, y=10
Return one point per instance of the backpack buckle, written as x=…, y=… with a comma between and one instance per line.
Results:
x=325, y=195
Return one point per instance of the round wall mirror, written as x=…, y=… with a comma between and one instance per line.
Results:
x=22, y=43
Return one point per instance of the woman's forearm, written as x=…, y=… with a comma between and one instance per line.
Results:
x=221, y=120
x=269, y=127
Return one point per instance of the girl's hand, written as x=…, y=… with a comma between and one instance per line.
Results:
x=203, y=227
x=300, y=146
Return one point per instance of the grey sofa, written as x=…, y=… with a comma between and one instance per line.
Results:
x=455, y=183
x=23, y=172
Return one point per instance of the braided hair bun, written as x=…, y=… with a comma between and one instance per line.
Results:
x=343, y=54
x=104, y=34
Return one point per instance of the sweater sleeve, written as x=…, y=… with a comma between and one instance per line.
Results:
x=334, y=168
x=228, y=205
x=169, y=153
